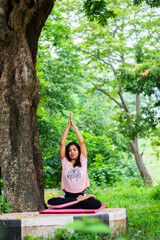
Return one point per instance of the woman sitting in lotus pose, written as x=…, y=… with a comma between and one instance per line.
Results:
x=74, y=174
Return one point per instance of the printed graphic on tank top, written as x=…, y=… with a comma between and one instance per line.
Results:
x=74, y=175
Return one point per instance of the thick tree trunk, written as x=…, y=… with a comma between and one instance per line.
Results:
x=139, y=161
x=20, y=156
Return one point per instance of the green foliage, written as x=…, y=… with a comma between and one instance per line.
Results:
x=156, y=192
x=151, y=3
x=90, y=225
x=28, y=237
x=97, y=10
x=142, y=78
x=139, y=52
x=155, y=141
x=4, y=206
x=50, y=134
x=103, y=173
x=133, y=125
x=63, y=234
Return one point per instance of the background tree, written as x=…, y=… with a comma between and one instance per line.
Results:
x=21, y=23
x=111, y=55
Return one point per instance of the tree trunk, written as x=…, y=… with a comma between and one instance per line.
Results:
x=138, y=157
x=139, y=161
x=20, y=156
x=0, y=182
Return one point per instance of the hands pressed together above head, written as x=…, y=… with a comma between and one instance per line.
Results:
x=70, y=121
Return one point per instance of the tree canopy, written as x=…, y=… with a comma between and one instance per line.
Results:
x=103, y=10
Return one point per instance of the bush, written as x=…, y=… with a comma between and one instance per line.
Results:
x=4, y=206
x=103, y=171
x=155, y=194
x=103, y=175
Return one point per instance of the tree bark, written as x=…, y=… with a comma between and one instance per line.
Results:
x=20, y=157
x=138, y=104
x=139, y=161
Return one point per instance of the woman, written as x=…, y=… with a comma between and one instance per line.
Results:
x=74, y=174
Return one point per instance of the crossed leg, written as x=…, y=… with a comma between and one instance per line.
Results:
x=85, y=202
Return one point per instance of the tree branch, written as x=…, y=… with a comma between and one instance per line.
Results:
x=106, y=93
x=122, y=100
x=114, y=33
x=105, y=62
x=102, y=60
x=122, y=58
x=42, y=9
x=110, y=64
x=20, y=16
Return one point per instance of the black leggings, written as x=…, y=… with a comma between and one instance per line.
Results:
x=90, y=203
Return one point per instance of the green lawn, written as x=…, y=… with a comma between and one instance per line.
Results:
x=142, y=203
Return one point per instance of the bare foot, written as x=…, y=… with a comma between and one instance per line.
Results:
x=61, y=196
x=82, y=198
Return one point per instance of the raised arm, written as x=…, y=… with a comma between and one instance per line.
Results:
x=80, y=138
x=64, y=137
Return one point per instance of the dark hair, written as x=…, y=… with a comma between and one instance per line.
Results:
x=77, y=163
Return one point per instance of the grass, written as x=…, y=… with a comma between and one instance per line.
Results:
x=142, y=203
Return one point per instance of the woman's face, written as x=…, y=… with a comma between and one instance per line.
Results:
x=73, y=152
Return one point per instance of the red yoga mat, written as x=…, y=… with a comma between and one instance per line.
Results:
x=78, y=210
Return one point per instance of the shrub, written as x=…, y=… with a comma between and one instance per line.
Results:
x=155, y=194
x=4, y=206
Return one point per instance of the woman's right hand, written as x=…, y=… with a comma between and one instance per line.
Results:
x=82, y=198
x=61, y=197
